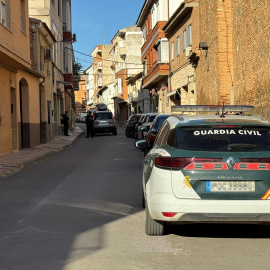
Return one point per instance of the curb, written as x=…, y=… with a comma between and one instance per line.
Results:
x=13, y=169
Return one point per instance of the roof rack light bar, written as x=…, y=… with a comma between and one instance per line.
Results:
x=212, y=108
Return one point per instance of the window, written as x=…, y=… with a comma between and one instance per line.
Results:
x=3, y=14
x=172, y=51
x=119, y=82
x=144, y=33
x=153, y=13
x=177, y=45
x=162, y=135
x=144, y=68
x=59, y=8
x=102, y=116
x=228, y=139
x=159, y=52
x=189, y=34
x=121, y=43
x=22, y=16
x=184, y=40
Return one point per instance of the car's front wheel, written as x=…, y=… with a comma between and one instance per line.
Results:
x=152, y=227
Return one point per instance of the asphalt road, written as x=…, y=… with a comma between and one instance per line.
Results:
x=80, y=209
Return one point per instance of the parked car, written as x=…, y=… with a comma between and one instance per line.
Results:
x=81, y=117
x=104, y=122
x=209, y=168
x=130, y=124
x=137, y=125
x=147, y=122
x=153, y=130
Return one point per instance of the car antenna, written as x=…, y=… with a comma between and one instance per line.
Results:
x=217, y=109
x=222, y=114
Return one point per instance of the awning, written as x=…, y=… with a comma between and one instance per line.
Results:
x=171, y=93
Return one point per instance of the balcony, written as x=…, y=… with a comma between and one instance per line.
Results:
x=122, y=52
x=99, y=65
x=159, y=71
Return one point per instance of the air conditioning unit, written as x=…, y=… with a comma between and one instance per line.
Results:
x=48, y=55
x=188, y=52
x=74, y=38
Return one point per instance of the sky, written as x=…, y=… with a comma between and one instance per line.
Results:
x=97, y=21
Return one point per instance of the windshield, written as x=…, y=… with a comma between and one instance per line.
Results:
x=241, y=139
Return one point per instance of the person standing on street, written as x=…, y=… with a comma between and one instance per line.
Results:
x=65, y=122
x=89, y=124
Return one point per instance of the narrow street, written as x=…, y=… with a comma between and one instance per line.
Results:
x=80, y=209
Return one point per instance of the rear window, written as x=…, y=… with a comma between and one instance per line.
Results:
x=240, y=139
x=159, y=121
x=101, y=116
x=151, y=119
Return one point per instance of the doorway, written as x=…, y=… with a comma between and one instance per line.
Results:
x=24, y=114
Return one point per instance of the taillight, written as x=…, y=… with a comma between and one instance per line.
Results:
x=168, y=214
x=169, y=162
x=190, y=163
x=163, y=162
x=152, y=138
x=252, y=164
x=255, y=160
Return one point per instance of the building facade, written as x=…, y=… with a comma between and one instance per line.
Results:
x=139, y=98
x=155, y=50
x=57, y=16
x=20, y=85
x=233, y=52
x=182, y=31
x=41, y=42
x=126, y=55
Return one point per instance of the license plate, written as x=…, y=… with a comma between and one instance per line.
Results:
x=230, y=186
x=103, y=123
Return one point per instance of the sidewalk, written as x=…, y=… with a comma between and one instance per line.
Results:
x=15, y=162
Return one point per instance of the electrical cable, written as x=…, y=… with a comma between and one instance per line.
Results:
x=113, y=61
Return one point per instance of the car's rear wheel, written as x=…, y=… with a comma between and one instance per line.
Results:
x=115, y=132
x=152, y=227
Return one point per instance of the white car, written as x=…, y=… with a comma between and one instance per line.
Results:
x=212, y=167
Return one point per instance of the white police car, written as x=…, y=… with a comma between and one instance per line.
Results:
x=213, y=167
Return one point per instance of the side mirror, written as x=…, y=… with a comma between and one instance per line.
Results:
x=141, y=144
x=143, y=128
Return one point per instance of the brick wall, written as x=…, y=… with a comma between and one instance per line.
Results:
x=238, y=34
x=251, y=49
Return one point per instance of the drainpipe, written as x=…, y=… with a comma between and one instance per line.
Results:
x=43, y=80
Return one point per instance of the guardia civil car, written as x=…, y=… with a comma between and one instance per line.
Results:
x=207, y=168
